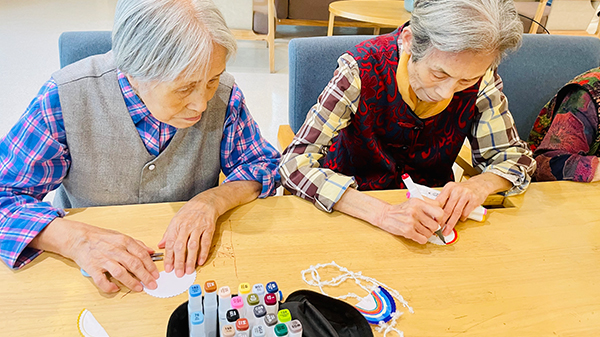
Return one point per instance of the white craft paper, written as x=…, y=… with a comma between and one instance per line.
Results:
x=170, y=285
x=89, y=326
x=436, y=240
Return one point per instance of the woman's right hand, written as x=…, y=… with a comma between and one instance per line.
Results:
x=413, y=219
x=99, y=251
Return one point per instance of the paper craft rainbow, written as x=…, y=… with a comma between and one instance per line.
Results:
x=378, y=307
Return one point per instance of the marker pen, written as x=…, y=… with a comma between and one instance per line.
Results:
x=259, y=313
x=237, y=303
x=251, y=303
x=259, y=289
x=210, y=309
x=228, y=330
x=195, y=298
x=272, y=288
x=242, y=325
x=259, y=331
x=415, y=193
x=281, y=330
x=295, y=328
x=270, y=322
x=271, y=304
x=242, y=334
x=284, y=316
x=197, y=325
x=232, y=316
x=224, y=304
x=244, y=290
x=478, y=214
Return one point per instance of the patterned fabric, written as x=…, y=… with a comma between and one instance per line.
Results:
x=385, y=139
x=494, y=140
x=34, y=158
x=566, y=134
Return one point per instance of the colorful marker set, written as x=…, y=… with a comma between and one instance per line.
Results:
x=253, y=312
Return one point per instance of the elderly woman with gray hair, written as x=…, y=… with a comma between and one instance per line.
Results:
x=154, y=120
x=404, y=103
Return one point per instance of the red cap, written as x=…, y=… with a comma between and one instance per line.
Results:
x=242, y=324
x=270, y=299
x=405, y=176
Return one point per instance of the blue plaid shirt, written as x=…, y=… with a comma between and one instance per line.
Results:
x=34, y=159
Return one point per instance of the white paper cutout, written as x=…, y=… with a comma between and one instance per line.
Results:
x=170, y=285
x=89, y=326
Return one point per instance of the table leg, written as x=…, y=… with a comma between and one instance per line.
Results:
x=376, y=30
x=330, y=26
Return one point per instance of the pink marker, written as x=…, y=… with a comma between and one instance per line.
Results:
x=237, y=303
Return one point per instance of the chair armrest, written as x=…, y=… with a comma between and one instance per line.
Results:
x=285, y=135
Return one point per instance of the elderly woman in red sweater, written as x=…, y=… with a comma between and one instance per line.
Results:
x=404, y=103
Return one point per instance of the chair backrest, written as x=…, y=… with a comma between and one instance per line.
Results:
x=75, y=46
x=544, y=64
x=531, y=76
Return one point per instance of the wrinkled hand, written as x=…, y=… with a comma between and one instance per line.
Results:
x=459, y=200
x=188, y=237
x=98, y=250
x=414, y=219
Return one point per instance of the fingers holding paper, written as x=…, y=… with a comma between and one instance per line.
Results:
x=99, y=251
x=188, y=237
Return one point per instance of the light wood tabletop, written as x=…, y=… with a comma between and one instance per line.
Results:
x=386, y=13
x=531, y=269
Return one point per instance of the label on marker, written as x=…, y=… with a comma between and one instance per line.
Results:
x=258, y=331
x=270, y=319
x=259, y=311
x=281, y=330
x=210, y=286
x=232, y=315
x=296, y=326
x=259, y=289
x=252, y=299
x=228, y=331
x=270, y=299
x=195, y=290
x=242, y=324
x=244, y=288
x=284, y=316
x=237, y=302
x=197, y=318
x=272, y=287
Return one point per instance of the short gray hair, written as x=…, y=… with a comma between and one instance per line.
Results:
x=166, y=39
x=465, y=25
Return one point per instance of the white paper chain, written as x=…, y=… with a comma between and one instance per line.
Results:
x=357, y=277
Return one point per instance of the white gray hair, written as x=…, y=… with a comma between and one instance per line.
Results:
x=465, y=25
x=161, y=40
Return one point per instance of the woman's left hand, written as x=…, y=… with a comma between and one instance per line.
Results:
x=188, y=237
x=459, y=199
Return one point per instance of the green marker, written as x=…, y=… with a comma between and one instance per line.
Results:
x=281, y=329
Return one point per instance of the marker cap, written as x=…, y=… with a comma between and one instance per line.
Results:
x=284, y=316
x=232, y=315
x=270, y=319
x=242, y=324
x=228, y=331
x=258, y=289
x=259, y=311
x=281, y=330
x=244, y=288
x=197, y=318
x=195, y=290
x=210, y=286
x=272, y=287
x=237, y=302
x=270, y=299
x=258, y=331
x=224, y=292
x=295, y=326
x=253, y=299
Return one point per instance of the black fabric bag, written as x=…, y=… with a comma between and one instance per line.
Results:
x=320, y=315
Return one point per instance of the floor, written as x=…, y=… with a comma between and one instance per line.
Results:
x=29, y=32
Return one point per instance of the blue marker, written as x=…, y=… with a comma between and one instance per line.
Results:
x=272, y=288
x=197, y=325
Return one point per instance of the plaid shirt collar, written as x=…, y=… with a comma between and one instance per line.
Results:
x=137, y=108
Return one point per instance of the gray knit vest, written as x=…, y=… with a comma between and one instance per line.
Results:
x=110, y=164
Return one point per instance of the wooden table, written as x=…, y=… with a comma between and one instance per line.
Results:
x=386, y=13
x=529, y=270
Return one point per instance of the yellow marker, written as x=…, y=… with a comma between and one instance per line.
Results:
x=244, y=290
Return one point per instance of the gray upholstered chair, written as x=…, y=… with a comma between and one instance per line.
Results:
x=531, y=76
x=74, y=46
